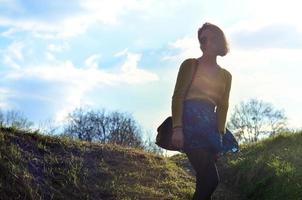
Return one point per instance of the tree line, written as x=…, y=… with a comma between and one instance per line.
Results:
x=91, y=126
x=249, y=120
x=254, y=119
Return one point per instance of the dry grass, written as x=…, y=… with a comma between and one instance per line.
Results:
x=36, y=166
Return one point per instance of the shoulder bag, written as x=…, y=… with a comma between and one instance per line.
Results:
x=165, y=129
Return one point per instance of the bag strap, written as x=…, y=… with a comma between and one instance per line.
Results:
x=194, y=64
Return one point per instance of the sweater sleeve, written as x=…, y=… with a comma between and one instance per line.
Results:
x=182, y=83
x=223, y=105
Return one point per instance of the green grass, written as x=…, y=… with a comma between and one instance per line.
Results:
x=270, y=169
x=35, y=166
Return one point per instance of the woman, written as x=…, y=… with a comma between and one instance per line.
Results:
x=194, y=103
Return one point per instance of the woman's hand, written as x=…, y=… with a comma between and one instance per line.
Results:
x=177, y=137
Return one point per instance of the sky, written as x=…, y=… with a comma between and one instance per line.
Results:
x=125, y=54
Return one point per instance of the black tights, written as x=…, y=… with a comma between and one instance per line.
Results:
x=207, y=177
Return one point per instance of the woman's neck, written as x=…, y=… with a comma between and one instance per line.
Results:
x=208, y=60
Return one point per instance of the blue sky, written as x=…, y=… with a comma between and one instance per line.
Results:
x=125, y=54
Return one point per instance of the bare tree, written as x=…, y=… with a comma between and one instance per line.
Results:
x=114, y=127
x=150, y=146
x=48, y=126
x=124, y=130
x=1, y=119
x=16, y=119
x=254, y=118
x=80, y=124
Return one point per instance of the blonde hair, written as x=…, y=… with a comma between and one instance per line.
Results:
x=219, y=36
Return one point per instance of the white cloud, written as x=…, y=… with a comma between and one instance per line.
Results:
x=267, y=12
x=130, y=70
x=11, y=5
x=13, y=54
x=67, y=27
x=57, y=48
x=91, y=12
x=187, y=47
x=108, y=12
x=92, y=61
x=10, y=62
x=15, y=50
x=76, y=82
x=53, y=49
x=4, y=103
x=266, y=73
x=269, y=36
x=38, y=28
x=121, y=53
x=49, y=56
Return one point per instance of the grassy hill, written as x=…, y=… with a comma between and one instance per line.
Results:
x=270, y=169
x=34, y=166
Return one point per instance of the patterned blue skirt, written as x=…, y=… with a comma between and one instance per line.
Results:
x=200, y=128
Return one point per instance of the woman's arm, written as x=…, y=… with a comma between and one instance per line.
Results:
x=222, y=107
x=182, y=83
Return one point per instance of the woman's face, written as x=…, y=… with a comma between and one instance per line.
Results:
x=210, y=45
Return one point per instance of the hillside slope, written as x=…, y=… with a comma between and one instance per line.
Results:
x=269, y=169
x=34, y=166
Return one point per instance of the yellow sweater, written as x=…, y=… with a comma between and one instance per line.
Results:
x=215, y=89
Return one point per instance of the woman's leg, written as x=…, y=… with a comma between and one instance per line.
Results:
x=207, y=177
x=212, y=178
